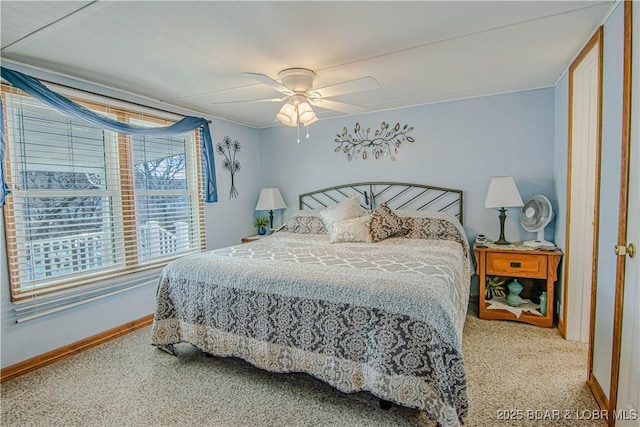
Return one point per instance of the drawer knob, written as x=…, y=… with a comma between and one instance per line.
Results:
x=515, y=264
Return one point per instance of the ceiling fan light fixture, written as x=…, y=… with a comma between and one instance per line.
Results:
x=297, y=84
x=288, y=115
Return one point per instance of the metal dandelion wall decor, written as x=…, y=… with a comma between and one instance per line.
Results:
x=229, y=150
x=385, y=142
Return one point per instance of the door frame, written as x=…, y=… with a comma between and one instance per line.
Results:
x=623, y=214
x=630, y=342
x=610, y=404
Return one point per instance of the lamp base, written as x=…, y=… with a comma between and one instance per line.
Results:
x=502, y=240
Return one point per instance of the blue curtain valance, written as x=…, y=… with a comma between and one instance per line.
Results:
x=39, y=91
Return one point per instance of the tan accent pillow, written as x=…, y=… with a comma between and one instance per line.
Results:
x=385, y=223
x=351, y=230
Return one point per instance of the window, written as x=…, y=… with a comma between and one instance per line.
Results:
x=87, y=203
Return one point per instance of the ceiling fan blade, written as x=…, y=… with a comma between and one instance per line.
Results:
x=264, y=79
x=352, y=86
x=250, y=100
x=338, y=106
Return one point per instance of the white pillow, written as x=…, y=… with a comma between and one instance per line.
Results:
x=347, y=209
x=351, y=230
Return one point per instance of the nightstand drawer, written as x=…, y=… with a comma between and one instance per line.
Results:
x=504, y=264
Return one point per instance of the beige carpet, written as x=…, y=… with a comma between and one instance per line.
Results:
x=127, y=382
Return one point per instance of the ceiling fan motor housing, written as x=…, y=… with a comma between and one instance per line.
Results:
x=299, y=80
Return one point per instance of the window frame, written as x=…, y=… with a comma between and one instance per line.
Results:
x=126, y=189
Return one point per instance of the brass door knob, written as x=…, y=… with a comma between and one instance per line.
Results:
x=622, y=250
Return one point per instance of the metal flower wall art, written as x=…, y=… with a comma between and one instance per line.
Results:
x=229, y=150
x=385, y=142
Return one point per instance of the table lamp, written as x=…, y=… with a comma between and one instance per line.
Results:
x=502, y=194
x=269, y=200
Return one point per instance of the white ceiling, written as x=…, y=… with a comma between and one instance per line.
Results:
x=193, y=54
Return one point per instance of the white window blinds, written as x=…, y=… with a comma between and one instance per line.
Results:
x=88, y=203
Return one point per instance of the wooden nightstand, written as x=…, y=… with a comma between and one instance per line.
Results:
x=512, y=263
x=253, y=238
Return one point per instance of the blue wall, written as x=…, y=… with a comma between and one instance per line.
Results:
x=459, y=144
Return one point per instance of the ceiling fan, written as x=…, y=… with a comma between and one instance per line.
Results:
x=297, y=86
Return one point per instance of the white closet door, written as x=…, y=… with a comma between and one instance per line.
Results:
x=585, y=139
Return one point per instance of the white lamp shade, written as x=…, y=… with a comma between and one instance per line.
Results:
x=270, y=199
x=503, y=193
x=288, y=115
x=312, y=121
x=305, y=113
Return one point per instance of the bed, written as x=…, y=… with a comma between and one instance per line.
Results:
x=383, y=317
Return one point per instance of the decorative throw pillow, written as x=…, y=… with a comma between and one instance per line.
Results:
x=351, y=230
x=432, y=229
x=434, y=226
x=385, y=223
x=347, y=209
x=305, y=222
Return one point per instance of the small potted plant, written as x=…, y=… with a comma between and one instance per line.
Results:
x=493, y=287
x=261, y=224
